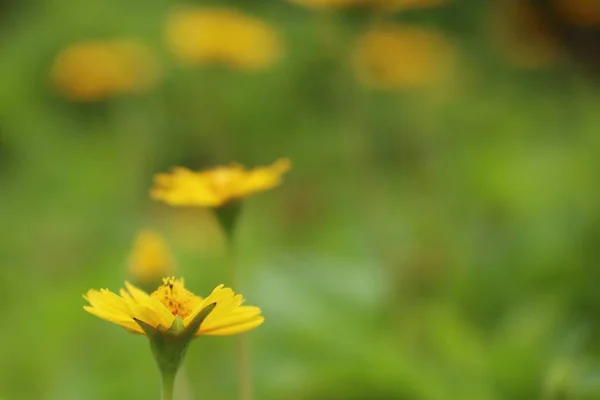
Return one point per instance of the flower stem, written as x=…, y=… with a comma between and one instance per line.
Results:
x=185, y=390
x=168, y=386
x=228, y=216
x=245, y=391
x=243, y=361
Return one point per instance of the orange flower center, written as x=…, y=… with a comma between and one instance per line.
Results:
x=175, y=297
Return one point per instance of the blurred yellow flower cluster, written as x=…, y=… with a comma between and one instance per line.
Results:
x=199, y=36
x=386, y=57
x=170, y=301
x=96, y=70
x=150, y=258
x=214, y=187
x=394, y=56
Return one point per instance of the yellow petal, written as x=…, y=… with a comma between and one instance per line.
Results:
x=209, y=300
x=234, y=328
x=214, y=187
x=226, y=301
x=239, y=316
x=125, y=295
x=137, y=294
x=262, y=178
x=151, y=316
x=165, y=316
x=101, y=300
x=128, y=323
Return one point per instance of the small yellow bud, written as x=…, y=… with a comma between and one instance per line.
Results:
x=150, y=258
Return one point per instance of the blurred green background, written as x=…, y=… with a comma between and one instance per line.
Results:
x=428, y=244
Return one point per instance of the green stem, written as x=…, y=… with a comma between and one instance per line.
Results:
x=243, y=360
x=185, y=391
x=168, y=386
x=228, y=215
x=245, y=391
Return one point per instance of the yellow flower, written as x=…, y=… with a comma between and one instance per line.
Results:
x=224, y=36
x=215, y=187
x=171, y=300
x=150, y=258
x=398, y=57
x=325, y=4
x=95, y=70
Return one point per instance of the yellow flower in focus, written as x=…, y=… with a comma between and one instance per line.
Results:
x=215, y=187
x=521, y=34
x=401, y=57
x=581, y=13
x=325, y=4
x=150, y=258
x=96, y=70
x=200, y=36
x=170, y=301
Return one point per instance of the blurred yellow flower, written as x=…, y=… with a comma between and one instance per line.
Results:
x=399, y=57
x=170, y=302
x=95, y=70
x=521, y=34
x=225, y=36
x=579, y=12
x=395, y=5
x=325, y=4
x=150, y=258
x=215, y=187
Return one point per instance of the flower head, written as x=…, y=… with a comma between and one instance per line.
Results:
x=399, y=57
x=96, y=69
x=224, y=36
x=215, y=187
x=150, y=258
x=173, y=305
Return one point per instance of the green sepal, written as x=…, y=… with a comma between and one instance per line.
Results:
x=193, y=327
x=176, y=327
x=169, y=346
x=227, y=216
